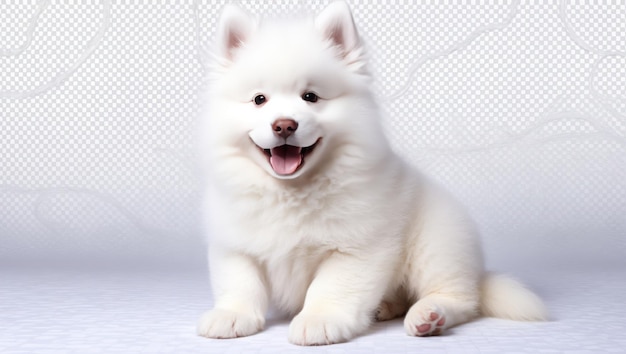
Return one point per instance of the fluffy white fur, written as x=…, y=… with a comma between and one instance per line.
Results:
x=354, y=234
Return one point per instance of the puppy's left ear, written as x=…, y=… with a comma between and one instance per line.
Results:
x=337, y=25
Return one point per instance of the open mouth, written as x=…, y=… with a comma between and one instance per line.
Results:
x=287, y=159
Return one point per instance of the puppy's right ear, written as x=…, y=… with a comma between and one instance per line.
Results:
x=234, y=28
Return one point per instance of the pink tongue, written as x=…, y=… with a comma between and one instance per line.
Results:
x=285, y=159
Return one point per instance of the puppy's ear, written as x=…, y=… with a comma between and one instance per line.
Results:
x=337, y=25
x=235, y=26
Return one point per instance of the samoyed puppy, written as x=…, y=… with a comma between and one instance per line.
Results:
x=309, y=210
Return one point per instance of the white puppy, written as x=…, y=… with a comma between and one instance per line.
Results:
x=308, y=208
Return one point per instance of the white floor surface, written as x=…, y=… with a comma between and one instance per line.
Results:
x=104, y=309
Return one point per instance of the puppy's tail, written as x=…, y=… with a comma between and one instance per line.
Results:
x=507, y=298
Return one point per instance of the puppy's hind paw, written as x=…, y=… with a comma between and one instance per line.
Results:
x=388, y=310
x=425, y=322
x=222, y=324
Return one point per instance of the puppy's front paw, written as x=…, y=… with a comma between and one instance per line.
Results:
x=219, y=323
x=321, y=329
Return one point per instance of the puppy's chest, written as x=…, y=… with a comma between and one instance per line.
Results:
x=290, y=275
x=282, y=224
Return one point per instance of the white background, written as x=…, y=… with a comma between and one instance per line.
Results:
x=520, y=109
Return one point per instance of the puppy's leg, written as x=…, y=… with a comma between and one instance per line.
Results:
x=445, y=267
x=340, y=300
x=241, y=298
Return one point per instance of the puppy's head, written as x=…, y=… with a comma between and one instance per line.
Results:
x=290, y=96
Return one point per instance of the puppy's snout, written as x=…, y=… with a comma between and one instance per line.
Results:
x=284, y=127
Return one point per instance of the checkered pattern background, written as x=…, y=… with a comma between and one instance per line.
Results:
x=519, y=109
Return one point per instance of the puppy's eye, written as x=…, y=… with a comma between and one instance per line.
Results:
x=310, y=97
x=259, y=100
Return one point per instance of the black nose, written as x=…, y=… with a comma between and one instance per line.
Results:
x=284, y=127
